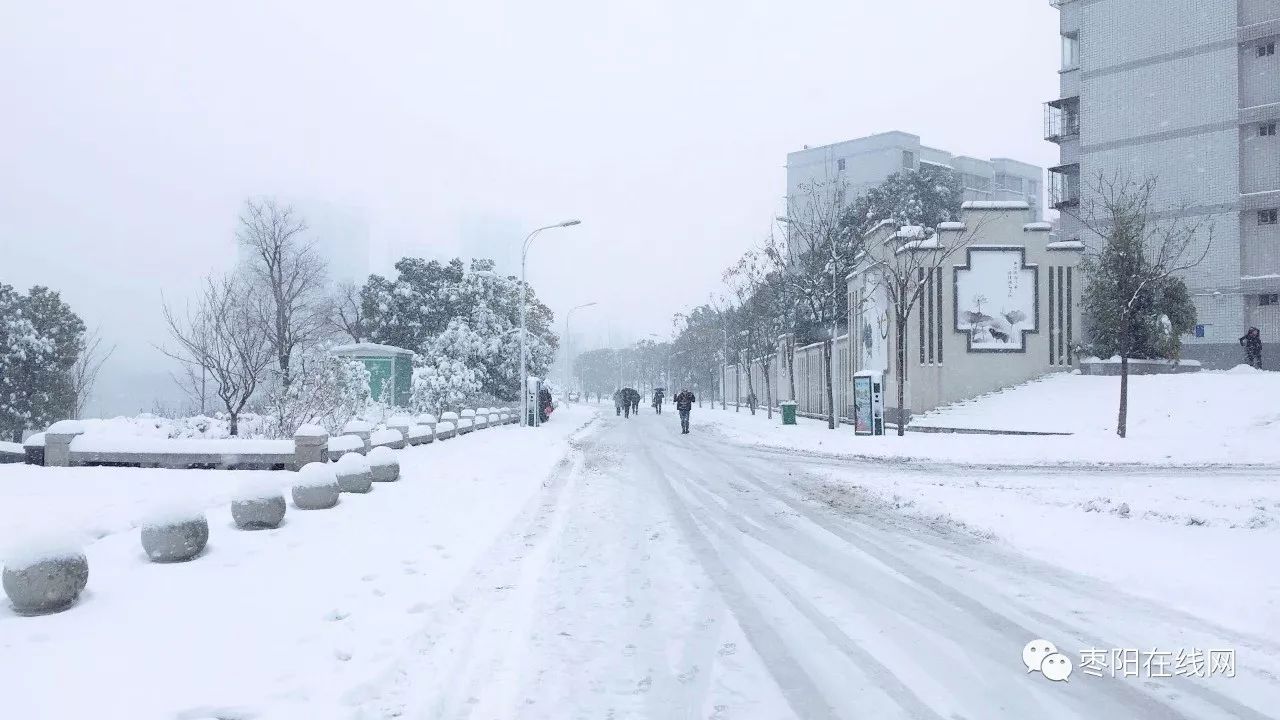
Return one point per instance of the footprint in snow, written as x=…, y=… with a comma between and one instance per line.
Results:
x=629, y=651
x=728, y=649
x=644, y=685
x=369, y=578
x=337, y=615
x=342, y=654
x=417, y=608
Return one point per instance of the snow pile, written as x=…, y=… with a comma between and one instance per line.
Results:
x=346, y=443
x=357, y=426
x=311, y=430
x=227, y=447
x=35, y=441
x=11, y=448
x=199, y=426
x=38, y=546
x=385, y=437
x=66, y=427
x=449, y=417
x=316, y=474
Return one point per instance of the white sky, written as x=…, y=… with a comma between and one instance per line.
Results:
x=132, y=131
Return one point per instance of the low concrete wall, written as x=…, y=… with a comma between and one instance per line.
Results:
x=1091, y=366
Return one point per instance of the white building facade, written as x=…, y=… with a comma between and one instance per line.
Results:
x=1186, y=92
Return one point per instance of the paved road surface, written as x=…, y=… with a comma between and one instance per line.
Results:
x=666, y=576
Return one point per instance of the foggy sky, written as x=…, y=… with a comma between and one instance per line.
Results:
x=131, y=133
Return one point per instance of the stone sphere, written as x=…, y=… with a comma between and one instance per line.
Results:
x=316, y=487
x=354, y=474
x=258, y=513
x=384, y=465
x=175, y=540
x=46, y=585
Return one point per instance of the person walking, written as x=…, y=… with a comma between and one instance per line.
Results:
x=658, y=396
x=1252, y=344
x=684, y=405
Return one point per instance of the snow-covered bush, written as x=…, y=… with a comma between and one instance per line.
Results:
x=316, y=487
x=324, y=390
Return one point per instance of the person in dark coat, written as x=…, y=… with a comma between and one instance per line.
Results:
x=658, y=396
x=626, y=401
x=1252, y=343
x=544, y=405
x=684, y=405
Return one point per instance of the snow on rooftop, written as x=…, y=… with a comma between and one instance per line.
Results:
x=1065, y=245
x=951, y=226
x=1037, y=227
x=910, y=231
x=996, y=205
x=368, y=347
x=929, y=244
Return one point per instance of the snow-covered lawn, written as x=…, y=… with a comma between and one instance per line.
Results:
x=263, y=621
x=1202, y=538
x=1219, y=418
x=1238, y=406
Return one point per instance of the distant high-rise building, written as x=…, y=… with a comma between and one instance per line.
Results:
x=1186, y=92
x=866, y=162
x=341, y=236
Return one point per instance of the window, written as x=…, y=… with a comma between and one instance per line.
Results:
x=1071, y=52
x=908, y=160
x=1268, y=217
x=1269, y=299
x=840, y=164
x=1266, y=129
x=1266, y=49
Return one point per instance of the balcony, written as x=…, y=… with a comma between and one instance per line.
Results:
x=1064, y=186
x=1062, y=119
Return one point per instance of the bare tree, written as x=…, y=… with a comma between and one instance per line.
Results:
x=288, y=276
x=346, y=312
x=756, y=284
x=1137, y=304
x=819, y=251
x=897, y=264
x=223, y=335
x=84, y=373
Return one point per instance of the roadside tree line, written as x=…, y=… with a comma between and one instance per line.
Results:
x=793, y=282
x=261, y=336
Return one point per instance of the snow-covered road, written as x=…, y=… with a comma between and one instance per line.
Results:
x=657, y=575
x=611, y=568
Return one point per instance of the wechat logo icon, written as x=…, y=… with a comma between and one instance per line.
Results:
x=1043, y=657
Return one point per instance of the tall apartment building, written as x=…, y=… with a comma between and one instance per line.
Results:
x=866, y=162
x=1188, y=92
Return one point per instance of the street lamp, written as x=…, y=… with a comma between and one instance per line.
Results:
x=568, y=342
x=524, y=345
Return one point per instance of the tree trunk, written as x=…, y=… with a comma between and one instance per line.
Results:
x=768, y=392
x=751, y=389
x=828, y=349
x=789, y=346
x=235, y=423
x=1123, y=420
x=900, y=373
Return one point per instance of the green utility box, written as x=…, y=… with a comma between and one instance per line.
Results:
x=789, y=412
x=390, y=370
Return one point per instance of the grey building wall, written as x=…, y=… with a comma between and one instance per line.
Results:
x=950, y=369
x=1176, y=89
x=867, y=162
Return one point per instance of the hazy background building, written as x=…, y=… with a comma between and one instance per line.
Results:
x=1187, y=92
x=868, y=161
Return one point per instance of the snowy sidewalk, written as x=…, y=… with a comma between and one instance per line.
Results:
x=276, y=618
